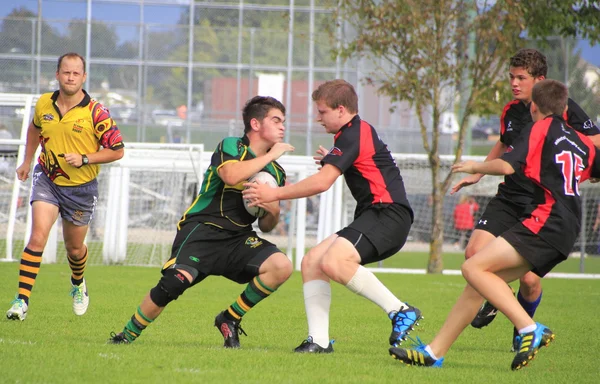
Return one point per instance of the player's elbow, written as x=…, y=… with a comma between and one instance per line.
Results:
x=266, y=224
x=229, y=178
x=119, y=153
x=507, y=169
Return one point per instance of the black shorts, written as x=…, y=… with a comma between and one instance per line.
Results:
x=541, y=255
x=499, y=216
x=379, y=232
x=215, y=252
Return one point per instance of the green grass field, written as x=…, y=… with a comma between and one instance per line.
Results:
x=55, y=346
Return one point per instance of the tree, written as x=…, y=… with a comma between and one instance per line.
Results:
x=580, y=18
x=433, y=53
x=565, y=64
x=17, y=28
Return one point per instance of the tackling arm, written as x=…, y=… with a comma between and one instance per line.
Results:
x=493, y=167
x=313, y=185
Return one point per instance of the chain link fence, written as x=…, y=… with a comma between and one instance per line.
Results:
x=181, y=71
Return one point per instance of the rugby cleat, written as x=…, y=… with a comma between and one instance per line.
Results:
x=18, y=310
x=308, y=346
x=230, y=331
x=530, y=343
x=118, y=338
x=81, y=300
x=487, y=313
x=403, y=322
x=416, y=356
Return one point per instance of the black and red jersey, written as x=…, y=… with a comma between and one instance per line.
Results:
x=368, y=166
x=556, y=159
x=514, y=119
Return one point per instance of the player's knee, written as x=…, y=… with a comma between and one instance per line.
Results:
x=331, y=265
x=530, y=283
x=467, y=269
x=37, y=241
x=310, y=262
x=471, y=250
x=328, y=267
x=284, y=268
x=280, y=267
x=171, y=285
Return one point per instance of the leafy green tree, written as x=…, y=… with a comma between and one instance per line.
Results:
x=16, y=32
x=565, y=64
x=567, y=18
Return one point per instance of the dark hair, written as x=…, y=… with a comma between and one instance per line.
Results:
x=335, y=93
x=70, y=55
x=532, y=60
x=550, y=96
x=257, y=108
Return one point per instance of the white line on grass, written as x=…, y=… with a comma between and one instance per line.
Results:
x=455, y=272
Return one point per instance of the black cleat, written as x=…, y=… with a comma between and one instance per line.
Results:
x=529, y=344
x=230, y=331
x=117, y=338
x=487, y=313
x=516, y=340
x=308, y=346
x=417, y=356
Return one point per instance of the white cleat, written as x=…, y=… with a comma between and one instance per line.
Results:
x=18, y=311
x=81, y=300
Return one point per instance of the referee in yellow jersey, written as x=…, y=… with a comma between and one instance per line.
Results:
x=76, y=134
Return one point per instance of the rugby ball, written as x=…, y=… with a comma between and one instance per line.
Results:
x=262, y=178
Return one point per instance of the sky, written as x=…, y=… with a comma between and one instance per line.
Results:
x=160, y=14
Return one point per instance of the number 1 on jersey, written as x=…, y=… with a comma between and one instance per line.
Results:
x=572, y=169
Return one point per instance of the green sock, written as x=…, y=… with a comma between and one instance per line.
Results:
x=255, y=292
x=136, y=325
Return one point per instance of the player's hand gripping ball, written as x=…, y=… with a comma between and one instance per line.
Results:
x=262, y=178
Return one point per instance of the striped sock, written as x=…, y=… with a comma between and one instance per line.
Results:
x=28, y=271
x=255, y=292
x=77, y=268
x=136, y=325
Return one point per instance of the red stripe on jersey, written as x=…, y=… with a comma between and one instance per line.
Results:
x=367, y=167
x=533, y=170
x=506, y=108
x=538, y=217
x=534, y=153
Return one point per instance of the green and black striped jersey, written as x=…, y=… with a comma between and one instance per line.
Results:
x=219, y=204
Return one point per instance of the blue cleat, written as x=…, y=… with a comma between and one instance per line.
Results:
x=403, y=322
x=416, y=356
x=530, y=343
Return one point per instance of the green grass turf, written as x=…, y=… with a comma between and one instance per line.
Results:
x=403, y=259
x=55, y=346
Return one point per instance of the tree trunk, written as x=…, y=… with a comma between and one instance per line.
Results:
x=436, y=264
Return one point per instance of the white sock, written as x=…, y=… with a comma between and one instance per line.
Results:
x=317, y=300
x=365, y=283
x=428, y=350
x=529, y=328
